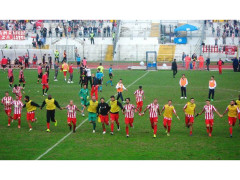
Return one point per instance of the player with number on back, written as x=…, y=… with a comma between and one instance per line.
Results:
x=167, y=116
x=209, y=116
x=189, y=110
x=139, y=94
x=7, y=102
x=153, y=115
x=128, y=111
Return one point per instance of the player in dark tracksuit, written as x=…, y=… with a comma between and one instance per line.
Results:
x=174, y=68
x=103, y=111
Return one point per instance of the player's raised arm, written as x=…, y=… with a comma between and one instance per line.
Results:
x=57, y=105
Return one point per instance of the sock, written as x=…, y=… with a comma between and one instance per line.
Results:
x=190, y=132
x=207, y=129
x=19, y=122
x=152, y=125
x=169, y=127
x=111, y=83
x=38, y=81
x=9, y=120
x=10, y=85
x=155, y=129
x=112, y=127
x=127, y=130
x=74, y=126
x=140, y=109
x=70, y=125
x=48, y=125
x=211, y=128
x=131, y=125
x=46, y=90
x=43, y=91
x=117, y=122
x=94, y=125
x=230, y=129
x=23, y=85
x=165, y=127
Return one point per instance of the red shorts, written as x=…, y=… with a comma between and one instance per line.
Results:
x=167, y=122
x=114, y=117
x=104, y=119
x=139, y=104
x=73, y=120
x=239, y=116
x=209, y=121
x=17, y=116
x=20, y=98
x=8, y=112
x=155, y=119
x=128, y=120
x=45, y=86
x=232, y=120
x=30, y=116
x=65, y=73
x=189, y=120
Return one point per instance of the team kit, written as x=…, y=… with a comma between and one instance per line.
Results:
x=100, y=110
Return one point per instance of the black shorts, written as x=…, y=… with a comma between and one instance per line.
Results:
x=99, y=81
x=4, y=66
x=22, y=80
x=11, y=79
x=40, y=75
x=110, y=75
x=50, y=115
x=78, y=62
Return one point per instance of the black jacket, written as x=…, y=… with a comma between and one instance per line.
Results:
x=174, y=65
x=103, y=108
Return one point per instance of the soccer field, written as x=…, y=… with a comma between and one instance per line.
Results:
x=84, y=145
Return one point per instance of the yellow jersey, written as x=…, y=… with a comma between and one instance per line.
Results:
x=232, y=110
x=238, y=103
x=93, y=106
x=168, y=111
x=50, y=104
x=190, y=108
x=114, y=107
x=29, y=107
x=101, y=68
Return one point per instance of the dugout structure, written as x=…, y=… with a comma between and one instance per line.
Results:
x=151, y=60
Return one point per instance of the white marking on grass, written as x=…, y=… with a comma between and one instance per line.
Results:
x=63, y=138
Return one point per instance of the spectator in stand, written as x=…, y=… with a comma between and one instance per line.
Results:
x=104, y=31
x=60, y=31
x=208, y=63
x=108, y=31
x=35, y=59
x=50, y=31
x=57, y=31
x=92, y=37
x=16, y=62
x=216, y=41
x=183, y=59
x=69, y=31
x=224, y=38
x=34, y=43
x=39, y=42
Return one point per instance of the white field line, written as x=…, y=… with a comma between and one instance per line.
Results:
x=62, y=139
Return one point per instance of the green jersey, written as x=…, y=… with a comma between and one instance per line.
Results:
x=84, y=93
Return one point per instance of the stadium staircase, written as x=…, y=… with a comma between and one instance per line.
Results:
x=155, y=31
x=166, y=52
x=109, y=53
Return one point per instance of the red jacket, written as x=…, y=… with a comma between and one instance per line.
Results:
x=4, y=61
x=44, y=79
x=70, y=69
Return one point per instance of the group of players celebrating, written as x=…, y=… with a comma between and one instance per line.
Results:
x=99, y=111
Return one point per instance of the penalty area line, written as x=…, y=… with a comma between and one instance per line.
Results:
x=63, y=138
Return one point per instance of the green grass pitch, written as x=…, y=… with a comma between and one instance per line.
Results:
x=84, y=145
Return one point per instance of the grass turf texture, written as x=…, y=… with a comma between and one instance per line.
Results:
x=20, y=144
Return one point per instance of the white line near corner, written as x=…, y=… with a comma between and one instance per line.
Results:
x=62, y=139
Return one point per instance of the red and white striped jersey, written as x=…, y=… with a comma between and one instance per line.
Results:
x=71, y=111
x=129, y=110
x=153, y=110
x=18, y=90
x=209, y=111
x=7, y=102
x=18, y=105
x=139, y=95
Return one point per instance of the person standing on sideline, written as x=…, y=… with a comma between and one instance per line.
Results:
x=51, y=105
x=39, y=72
x=174, y=68
x=26, y=58
x=64, y=56
x=208, y=63
x=212, y=86
x=220, y=63
x=232, y=110
x=183, y=59
x=189, y=110
x=35, y=59
x=238, y=105
x=56, y=56
x=89, y=76
x=50, y=60
x=187, y=61
x=120, y=87
x=201, y=62
x=56, y=68
x=103, y=111
x=183, y=83
x=110, y=73
x=92, y=37
x=70, y=70
x=235, y=64
x=92, y=111
x=115, y=106
x=78, y=59
x=65, y=70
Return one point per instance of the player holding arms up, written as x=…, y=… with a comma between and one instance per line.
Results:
x=139, y=94
x=209, y=116
x=114, y=113
x=232, y=110
x=7, y=102
x=167, y=116
x=153, y=114
x=17, y=90
x=71, y=113
x=18, y=105
x=128, y=111
x=31, y=108
x=102, y=111
x=189, y=110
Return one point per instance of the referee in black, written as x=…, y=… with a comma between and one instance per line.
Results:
x=174, y=68
x=51, y=105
